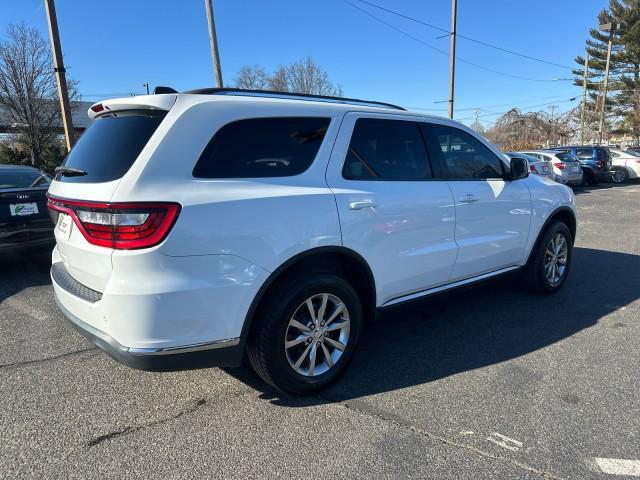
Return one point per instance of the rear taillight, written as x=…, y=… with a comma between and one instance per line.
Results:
x=560, y=165
x=599, y=163
x=123, y=226
x=533, y=168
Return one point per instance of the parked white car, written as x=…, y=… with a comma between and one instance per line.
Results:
x=566, y=168
x=210, y=224
x=625, y=165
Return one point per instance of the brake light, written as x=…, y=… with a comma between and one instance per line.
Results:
x=122, y=226
x=599, y=163
x=97, y=108
x=560, y=165
x=533, y=168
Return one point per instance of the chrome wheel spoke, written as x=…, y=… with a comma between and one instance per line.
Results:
x=302, y=357
x=312, y=359
x=338, y=326
x=338, y=310
x=327, y=355
x=296, y=324
x=312, y=311
x=295, y=341
x=335, y=343
x=323, y=307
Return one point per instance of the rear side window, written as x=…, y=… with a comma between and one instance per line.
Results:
x=460, y=156
x=22, y=178
x=262, y=147
x=584, y=153
x=386, y=150
x=111, y=145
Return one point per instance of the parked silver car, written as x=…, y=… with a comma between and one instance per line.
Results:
x=537, y=167
x=566, y=167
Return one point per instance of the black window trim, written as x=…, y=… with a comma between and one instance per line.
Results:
x=259, y=117
x=424, y=125
x=415, y=121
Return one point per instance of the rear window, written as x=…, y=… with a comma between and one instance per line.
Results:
x=22, y=178
x=566, y=157
x=584, y=153
x=111, y=145
x=262, y=147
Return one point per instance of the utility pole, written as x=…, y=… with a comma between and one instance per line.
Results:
x=475, y=119
x=611, y=28
x=553, y=127
x=585, y=80
x=452, y=58
x=58, y=68
x=146, y=85
x=213, y=40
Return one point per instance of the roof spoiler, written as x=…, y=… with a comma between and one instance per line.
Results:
x=143, y=102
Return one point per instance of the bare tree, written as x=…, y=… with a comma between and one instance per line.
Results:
x=515, y=130
x=253, y=78
x=28, y=89
x=303, y=76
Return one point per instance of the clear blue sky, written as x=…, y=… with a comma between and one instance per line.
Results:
x=113, y=47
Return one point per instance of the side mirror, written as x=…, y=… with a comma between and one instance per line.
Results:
x=519, y=168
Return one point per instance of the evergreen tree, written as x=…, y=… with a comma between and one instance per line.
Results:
x=623, y=98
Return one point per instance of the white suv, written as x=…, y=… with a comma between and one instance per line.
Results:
x=211, y=224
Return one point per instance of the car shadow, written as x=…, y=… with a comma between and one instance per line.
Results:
x=600, y=186
x=22, y=270
x=474, y=328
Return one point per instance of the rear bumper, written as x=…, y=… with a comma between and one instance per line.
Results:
x=221, y=353
x=158, y=312
x=570, y=179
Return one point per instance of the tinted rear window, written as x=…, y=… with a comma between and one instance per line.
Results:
x=22, y=178
x=262, y=147
x=566, y=157
x=110, y=145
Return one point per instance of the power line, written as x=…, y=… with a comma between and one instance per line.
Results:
x=471, y=39
x=485, y=107
x=422, y=42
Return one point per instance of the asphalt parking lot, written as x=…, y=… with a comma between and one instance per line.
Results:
x=486, y=383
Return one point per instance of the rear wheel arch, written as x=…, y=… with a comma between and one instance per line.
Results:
x=338, y=260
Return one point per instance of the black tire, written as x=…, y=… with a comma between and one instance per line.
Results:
x=266, y=343
x=619, y=175
x=535, y=276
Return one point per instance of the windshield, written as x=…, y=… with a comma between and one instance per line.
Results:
x=566, y=157
x=111, y=145
x=22, y=178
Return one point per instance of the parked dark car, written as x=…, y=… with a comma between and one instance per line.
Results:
x=595, y=161
x=24, y=218
x=633, y=149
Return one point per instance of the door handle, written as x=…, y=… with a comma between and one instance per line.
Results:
x=362, y=205
x=468, y=198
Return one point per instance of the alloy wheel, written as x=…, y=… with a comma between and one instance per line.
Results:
x=317, y=334
x=618, y=176
x=555, y=259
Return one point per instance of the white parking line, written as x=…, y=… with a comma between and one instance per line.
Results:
x=505, y=442
x=618, y=466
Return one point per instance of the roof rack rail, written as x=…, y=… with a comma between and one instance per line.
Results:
x=300, y=96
